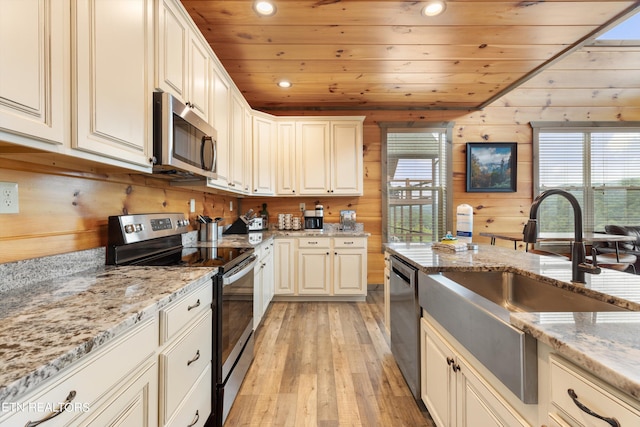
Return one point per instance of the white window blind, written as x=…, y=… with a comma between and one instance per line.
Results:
x=601, y=167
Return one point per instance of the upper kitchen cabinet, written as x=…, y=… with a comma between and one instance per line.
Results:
x=264, y=142
x=34, y=82
x=112, y=67
x=286, y=168
x=329, y=154
x=182, y=66
x=34, y=53
x=220, y=101
x=238, y=144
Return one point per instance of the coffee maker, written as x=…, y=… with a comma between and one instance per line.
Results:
x=314, y=220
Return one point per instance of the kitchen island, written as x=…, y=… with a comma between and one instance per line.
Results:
x=603, y=344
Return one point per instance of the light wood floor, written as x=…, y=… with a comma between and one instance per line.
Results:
x=325, y=364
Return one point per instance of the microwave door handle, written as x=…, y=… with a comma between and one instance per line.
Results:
x=213, y=150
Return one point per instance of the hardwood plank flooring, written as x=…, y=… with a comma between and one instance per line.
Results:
x=325, y=364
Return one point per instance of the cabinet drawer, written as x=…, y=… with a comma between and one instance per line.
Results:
x=92, y=377
x=349, y=242
x=315, y=242
x=182, y=363
x=196, y=407
x=181, y=313
x=591, y=393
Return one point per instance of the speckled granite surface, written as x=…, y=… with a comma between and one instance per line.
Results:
x=47, y=326
x=606, y=344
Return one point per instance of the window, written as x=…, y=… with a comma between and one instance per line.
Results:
x=597, y=163
x=416, y=175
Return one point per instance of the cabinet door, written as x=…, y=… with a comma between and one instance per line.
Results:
x=221, y=103
x=236, y=144
x=313, y=152
x=33, y=81
x=284, y=262
x=346, y=158
x=267, y=278
x=350, y=272
x=263, y=155
x=247, y=163
x=314, y=271
x=479, y=404
x=113, y=68
x=134, y=404
x=198, y=76
x=438, y=386
x=172, y=47
x=258, y=289
x=286, y=166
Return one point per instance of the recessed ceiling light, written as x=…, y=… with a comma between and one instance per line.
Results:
x=284, y=83
x=434, y=8
x=264, y=8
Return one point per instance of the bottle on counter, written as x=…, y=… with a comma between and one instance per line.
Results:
x=265, y=217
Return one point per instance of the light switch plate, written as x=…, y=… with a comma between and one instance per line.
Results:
x=9, y=198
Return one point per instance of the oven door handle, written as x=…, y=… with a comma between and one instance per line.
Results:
x=246, y=269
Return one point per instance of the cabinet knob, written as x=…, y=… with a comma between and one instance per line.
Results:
x=449, y=361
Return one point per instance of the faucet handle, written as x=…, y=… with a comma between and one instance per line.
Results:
x=594, y=257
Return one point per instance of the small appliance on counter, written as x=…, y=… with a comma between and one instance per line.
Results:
x=314, y=219
x=347, y=220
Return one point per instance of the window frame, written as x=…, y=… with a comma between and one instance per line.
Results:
x=588, y=204
x=447, y=129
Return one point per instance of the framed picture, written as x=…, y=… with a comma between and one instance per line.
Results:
x=491, y=166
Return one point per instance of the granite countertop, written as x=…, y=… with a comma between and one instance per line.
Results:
x=605, y=344
x=46, y=326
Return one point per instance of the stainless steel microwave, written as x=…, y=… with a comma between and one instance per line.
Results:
x=184, y=145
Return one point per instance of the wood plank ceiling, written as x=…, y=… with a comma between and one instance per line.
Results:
x=363, y=54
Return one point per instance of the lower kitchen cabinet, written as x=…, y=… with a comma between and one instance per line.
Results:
x=578, y=399
x=454, y=393
x=332, y=266
x=263, y=281
x=284, y=266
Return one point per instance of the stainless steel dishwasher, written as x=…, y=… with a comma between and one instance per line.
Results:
x=405, y=322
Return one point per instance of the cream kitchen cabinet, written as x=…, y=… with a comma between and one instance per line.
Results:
x=220, y=119
x=455, y=394
x=115, y=386
x=286, y=166
x=112, y=59
x=575, y=393
x=387, y=292
x=263, y=281
x=182, y=60
x=34, y=83
x=349, y=266
x=329, y=155
x=185, y=356
x=314, y=266
x=285, y=250
x=238, y=144
x=264, y=142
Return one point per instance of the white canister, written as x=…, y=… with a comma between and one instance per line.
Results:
x=464, y=223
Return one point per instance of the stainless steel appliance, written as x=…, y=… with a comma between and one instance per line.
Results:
x=184, y=145
x=313, y=220
x=155, y=239
x=405, y=322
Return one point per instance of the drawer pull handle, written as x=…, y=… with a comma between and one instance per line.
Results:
x=195, y=420
x=313, y=243
x=196, y=357
x=56, y=412
x=611, y=421
x=349, y=243
x=196, y=305
x=449, y=361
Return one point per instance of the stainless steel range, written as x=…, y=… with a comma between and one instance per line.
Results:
x=156, y=239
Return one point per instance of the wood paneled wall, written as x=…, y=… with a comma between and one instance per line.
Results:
x=62, y=212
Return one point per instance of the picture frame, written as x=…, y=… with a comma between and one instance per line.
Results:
x=492, y=167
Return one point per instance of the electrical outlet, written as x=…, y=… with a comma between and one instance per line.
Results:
x=230, y=206
x=9, y=198
x=302, y=205
x=192, y=205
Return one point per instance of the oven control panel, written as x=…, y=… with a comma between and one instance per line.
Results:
x=125, y=229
